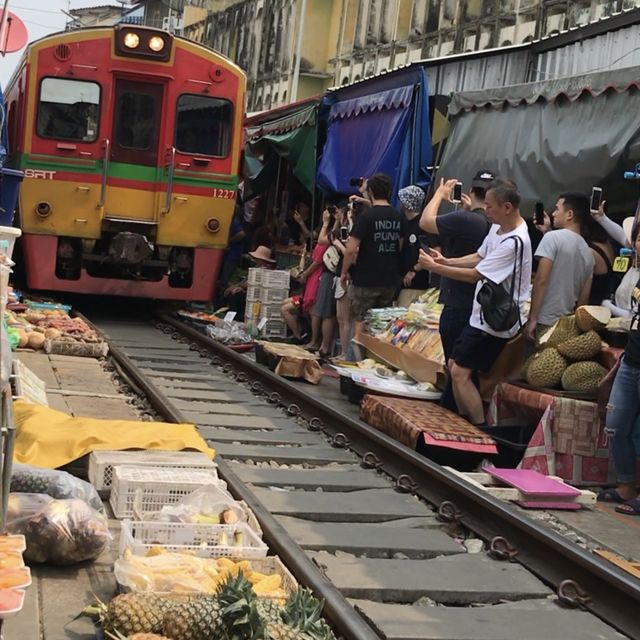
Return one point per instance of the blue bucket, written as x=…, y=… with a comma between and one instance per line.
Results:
x=10, y=180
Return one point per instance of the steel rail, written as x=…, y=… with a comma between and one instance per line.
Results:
x=613, y=595
x=346, y=620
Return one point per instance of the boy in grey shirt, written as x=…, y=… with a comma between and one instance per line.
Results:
x=565, y=266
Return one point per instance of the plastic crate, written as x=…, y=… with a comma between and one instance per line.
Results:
x=274, y=329
x=201, y=540
x=269, y=278
x=271, y=311
x=148, y=489
x=268, y=565
x=101, y=463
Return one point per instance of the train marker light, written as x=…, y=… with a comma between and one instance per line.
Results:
x=213, y=225
x=131, y=40
x=44, y=209
x=156, y=43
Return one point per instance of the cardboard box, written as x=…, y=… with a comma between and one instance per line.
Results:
x=412, y=363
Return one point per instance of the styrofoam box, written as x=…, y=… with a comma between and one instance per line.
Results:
x=148, y=489
x=203, y=540
x=101, y=463
x=269, y=278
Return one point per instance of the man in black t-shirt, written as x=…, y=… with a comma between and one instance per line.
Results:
x=461, y=232
x=376, y=241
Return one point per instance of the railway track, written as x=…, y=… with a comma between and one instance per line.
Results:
x=375, y=529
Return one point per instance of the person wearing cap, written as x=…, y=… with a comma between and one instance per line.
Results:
x=235, y=295
x=460, y=233
x=565, y=266
x=414, y=282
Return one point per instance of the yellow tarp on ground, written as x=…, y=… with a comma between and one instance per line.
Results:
x=51, y=439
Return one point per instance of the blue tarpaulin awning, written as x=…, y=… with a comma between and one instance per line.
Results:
x=381, y=125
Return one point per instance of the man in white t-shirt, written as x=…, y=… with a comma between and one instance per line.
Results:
x=565, y=266
x=479, y=346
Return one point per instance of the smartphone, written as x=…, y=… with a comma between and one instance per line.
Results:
x=538, y=217
x=456, y=194
x=424, y=243
x=356, y=182
x=596, y=199
x=332, y=209
x=344, y=233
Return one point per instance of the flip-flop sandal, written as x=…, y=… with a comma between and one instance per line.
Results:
x=630, y=507
x=611, y=495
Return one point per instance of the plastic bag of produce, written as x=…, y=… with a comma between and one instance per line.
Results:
x=58, y=532
x=208, y=505
x=57, y=484
x=169, y=573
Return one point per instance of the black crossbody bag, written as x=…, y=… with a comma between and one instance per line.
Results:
x=498, y=309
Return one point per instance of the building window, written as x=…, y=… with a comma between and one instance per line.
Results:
x=68, y=109
x=203, y=125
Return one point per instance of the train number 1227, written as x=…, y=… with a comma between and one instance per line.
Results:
x=227, y=194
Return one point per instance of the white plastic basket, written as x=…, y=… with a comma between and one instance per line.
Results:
x=202, y=540
x=101, y=463
x=268, y=278
x=148, y=489
x=268, y=566
x=274, y=329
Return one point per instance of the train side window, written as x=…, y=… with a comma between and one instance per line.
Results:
x=137, y=120
x=203, y=125
x=68, y=109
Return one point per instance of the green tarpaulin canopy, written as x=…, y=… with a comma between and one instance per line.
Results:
x=292, y=137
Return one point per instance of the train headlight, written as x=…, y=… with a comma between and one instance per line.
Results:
x=213, y=225
x=44, y=209
x=131, y=40
x=156, y=43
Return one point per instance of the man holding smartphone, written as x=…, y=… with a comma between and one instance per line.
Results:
x=460, y=233
x=565, y=266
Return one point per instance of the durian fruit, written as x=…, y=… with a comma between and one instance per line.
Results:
x=583, y=347
x=546, y=369
x=564, y=329
x=583, y=376
x=592, y=317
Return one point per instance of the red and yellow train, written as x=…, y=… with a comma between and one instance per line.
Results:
x=130, y=142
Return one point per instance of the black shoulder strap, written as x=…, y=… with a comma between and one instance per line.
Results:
x=603, y=254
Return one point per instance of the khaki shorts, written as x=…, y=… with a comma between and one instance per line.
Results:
x=361, y=299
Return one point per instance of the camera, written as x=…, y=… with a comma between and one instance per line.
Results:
x=538, y=217
x=456, y=193
x=356, y=182
x=596, y=199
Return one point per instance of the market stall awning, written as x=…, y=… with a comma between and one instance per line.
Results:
x=378, y=126
x=562, y=135
x=293, y=137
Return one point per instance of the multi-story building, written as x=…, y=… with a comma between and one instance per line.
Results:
x=342, y=41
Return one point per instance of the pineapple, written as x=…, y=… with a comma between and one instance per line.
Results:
x=240, y=617
x=132, y=613
x=198, y=619
x=136, y=636
x=300, y=619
